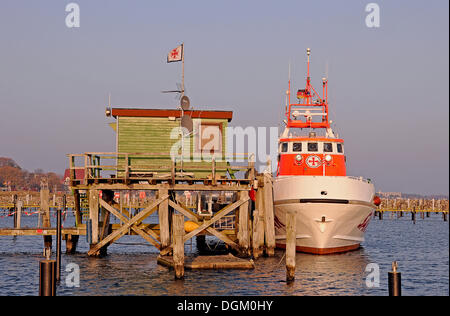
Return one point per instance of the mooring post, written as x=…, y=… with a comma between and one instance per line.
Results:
x=19, y=213
x=47, y=277
x=291, y=239
x=444, y=216
x=58, y=240
x=395, y=281
x=163, y=213
x=258, y=223
x=178, y=245
x=269, y=216
x=243, y=232
x=413, y=215
x=15, y=210
x=380, y=215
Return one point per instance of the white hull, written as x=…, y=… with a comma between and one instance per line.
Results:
x=332, y=213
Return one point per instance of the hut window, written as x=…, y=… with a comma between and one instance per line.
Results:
x=327, y=147
x=209, y=138
x=284, y=147
x=339, y=148
x=297, y=147
x=313, y=147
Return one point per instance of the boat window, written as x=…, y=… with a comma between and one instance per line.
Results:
x=313, y=147
x=327, y=147
x=284, y=147
x=297, y=147
x=339, y=148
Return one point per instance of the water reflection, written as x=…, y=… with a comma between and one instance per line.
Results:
x=421, y=249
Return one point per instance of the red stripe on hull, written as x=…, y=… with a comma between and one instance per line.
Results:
x=322, y=251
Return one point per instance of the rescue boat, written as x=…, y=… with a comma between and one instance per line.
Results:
x=332, y=209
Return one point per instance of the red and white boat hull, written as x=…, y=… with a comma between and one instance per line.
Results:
x=332, y=213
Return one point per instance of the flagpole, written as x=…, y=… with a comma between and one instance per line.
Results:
x=182, y=69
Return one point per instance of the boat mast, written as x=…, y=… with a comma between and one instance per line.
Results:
x=310, y=104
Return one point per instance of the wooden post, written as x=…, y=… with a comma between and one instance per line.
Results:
x=291, y=239
x=19, y=213
x=269, y=216
x=78, y=217
x=243, y=232
x=257, y=232
x=71, y=243
x=178, y=245
x=45, y=208
x=163, y=213
x=93, y=214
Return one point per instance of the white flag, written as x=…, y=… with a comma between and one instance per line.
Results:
x=175, y=54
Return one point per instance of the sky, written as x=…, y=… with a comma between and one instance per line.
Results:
x=388, y=85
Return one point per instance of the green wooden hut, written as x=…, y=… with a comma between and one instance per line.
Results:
x=157, y=140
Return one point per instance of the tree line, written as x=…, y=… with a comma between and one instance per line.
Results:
x=14, y=178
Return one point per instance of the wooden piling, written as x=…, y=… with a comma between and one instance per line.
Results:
x=243, y=231
x=19, y=206
x=258, y=224
x=164, y=225
x=93, y=215
x=71, y=243
x=45, y=208
x=269, y=224
x=178, y=245
x=291, y=239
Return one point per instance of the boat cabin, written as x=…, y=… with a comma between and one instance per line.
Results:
x=311, y=156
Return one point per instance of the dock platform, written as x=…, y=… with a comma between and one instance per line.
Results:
x=210, y=262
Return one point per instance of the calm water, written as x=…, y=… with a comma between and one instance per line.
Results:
x=422, y=251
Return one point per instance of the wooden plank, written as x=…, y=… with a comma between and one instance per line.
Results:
x=209, y=262
x=137, y=218
x=40, y=231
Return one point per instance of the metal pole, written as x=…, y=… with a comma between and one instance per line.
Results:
x=58, y=240
x=182, y=69
x=47, y=279
x=395, y=281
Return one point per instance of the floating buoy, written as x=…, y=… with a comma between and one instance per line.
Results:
x=190, y=226
x=376, y=200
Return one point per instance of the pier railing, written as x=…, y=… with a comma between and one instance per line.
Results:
x=98, y=166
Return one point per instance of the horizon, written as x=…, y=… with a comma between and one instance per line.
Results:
x=388, y=86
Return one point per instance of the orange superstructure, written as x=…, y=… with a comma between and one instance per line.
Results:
x=310, y=155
